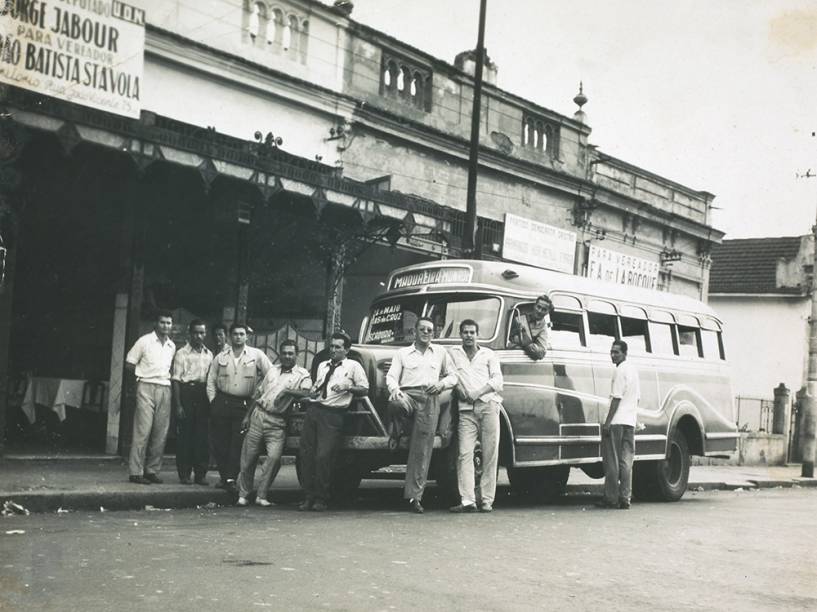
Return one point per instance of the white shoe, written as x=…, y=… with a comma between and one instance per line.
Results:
x=260, y=501
x=242, y=501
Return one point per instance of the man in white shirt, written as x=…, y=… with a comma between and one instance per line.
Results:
x=418, y=374
x=231, y=383
x=151, y=358
x=188, y=384
x=618, y=431
x=479, y=383
x=266, y=426
x=337, y=381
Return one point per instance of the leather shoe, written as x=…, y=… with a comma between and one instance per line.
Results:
x=319, y=506
x=305, y=505
x=202, y=481
x=153, y=478
x=185, y=481
x=623, y=505
x=416, y=506
x=138, y=480
x=460, y=508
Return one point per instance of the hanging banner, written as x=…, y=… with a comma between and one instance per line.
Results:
x=604, y=264
x=538, y=244
x=89, y=52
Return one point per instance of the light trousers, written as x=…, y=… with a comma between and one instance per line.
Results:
x=266, y=432
x=481, y=423
x=150, y=424
x=617, y=452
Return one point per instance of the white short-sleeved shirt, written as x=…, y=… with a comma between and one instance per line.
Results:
x=347, y=370
x=153, y=360
x=625, y=387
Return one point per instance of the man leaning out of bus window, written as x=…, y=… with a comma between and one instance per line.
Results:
x=531, y=333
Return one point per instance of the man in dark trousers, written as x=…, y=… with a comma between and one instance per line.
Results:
x=337, y=381
x=189, y=384
x=231, y=384
x=150, y=359
x=618, y=431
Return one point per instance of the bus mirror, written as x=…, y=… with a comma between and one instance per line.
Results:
x=363, y=324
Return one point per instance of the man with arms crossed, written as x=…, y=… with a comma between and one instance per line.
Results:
x=189, y=385
x=418, y=374
x=266, y=425
x=151, y=358
x=618, y=431
x=337, y=381
x=479, y=383
x=231, y=384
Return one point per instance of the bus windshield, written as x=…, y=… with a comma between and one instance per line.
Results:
x=391, y=321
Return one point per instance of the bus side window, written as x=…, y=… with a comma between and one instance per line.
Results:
x=711, y=345
x=567, y=330
x=634, y=330
x=689, y=341
x=634, y=333
x=603, y=324
x=661, y=338
x=711, y=339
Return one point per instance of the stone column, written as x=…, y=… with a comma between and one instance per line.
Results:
x=780, y=416
x=334, y=290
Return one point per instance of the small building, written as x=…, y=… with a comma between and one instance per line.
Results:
x=761, y=287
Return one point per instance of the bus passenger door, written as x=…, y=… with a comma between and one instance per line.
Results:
x=578, y=411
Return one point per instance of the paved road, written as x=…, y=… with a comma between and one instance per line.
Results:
x=737, y=550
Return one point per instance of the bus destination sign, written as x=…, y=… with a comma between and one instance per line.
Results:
x=431, y=276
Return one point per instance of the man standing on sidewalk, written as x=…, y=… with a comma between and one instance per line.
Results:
x=618, y=431
x=266, y=425
x=337, y=381
x=414, y=382
x=231, y=383
x=479, y=383
x=189, y=384
x=151, y=358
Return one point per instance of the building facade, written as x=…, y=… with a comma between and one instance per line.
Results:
x=271, y=162
x=761, y=288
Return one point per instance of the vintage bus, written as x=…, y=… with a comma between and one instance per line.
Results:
x=553, y=408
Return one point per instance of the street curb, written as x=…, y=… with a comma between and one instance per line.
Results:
x=175, y=499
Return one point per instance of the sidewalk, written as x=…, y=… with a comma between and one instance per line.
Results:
x=44, y=484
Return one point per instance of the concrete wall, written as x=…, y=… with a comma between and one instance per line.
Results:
x=753, y=449
x=766, y=341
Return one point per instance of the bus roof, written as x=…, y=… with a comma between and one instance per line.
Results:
x=528, y=280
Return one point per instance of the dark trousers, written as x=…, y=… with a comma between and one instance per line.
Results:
x=617, y=452
x=321, y=438
x=192, y=442
x=226, y=414
x=424, y=413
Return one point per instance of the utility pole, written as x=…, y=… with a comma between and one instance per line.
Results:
x=809, y=436
x=469, y=238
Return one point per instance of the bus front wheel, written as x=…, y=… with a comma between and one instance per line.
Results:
x=664, y=480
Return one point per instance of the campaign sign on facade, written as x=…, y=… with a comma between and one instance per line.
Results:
x=614, y=267
x=538, y=244
x=90, y=52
